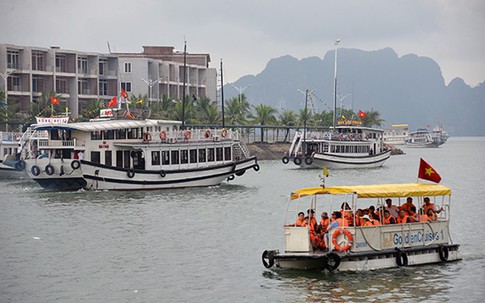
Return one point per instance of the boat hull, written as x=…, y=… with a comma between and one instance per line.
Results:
x=55, y=174
x=390, y=258
x=346, y=162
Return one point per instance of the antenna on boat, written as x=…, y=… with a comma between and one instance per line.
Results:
x=335, y=86
x=222, y=97
x=185, y=78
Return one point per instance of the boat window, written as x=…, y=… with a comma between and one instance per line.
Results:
x=175, y=156
x=184, y=156
x=97, y=135
x=55, y=134
x=227, y=153
x=219, y=154
x=202, y=155
x=155, y=157
x=165, y=157
x=95, y=157
x=108, y=158
x=210, y=156
x=119, y=158
x=108, y=135
x=126, y=158
x=325, y=148
x=133, y=133
x=193, y=156
x=121, y=134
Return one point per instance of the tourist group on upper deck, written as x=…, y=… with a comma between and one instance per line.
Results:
x=388, y=214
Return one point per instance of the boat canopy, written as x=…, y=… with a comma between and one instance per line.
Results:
x=378, y=190
x=105, y=125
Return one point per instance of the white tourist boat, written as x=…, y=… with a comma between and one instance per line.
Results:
x=9, y=149
x=356, y=248
x=422, y=137
x=347, y=147
x=131, y=155
x=396, y=135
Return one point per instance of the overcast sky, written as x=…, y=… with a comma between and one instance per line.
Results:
x=247, y=34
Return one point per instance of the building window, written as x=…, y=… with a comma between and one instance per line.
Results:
x=127, y=67
x=61, y=86
x=103, y=87
x=126, y=86
x=13, y=83
x=60, y=63
x=37, y=84
x=13, y=59
x=103, y=67
x=37, y=60
x=83, y=87
x=82, y=65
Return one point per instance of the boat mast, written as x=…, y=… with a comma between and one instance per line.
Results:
x=185, y=76
x=222, y=97
x=335, y=87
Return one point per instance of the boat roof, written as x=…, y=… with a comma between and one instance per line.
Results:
x=378, y=190
x=358, y=127
x=106, y=125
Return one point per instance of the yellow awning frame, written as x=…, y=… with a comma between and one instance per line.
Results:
x=399, y=190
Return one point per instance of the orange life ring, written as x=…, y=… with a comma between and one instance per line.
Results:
x=163, y=135
x=224, y=133
x=187, y=134
x=147, y=137
x=207, y=133
x=349, y=239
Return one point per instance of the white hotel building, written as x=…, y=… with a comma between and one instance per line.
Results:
x=78, y=77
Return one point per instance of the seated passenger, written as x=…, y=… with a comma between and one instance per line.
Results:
x=403, y=217
x=407, y=206
x=367, y=220
x=388, y=219
x=358, y=215
x=339, y=222
x=301, y=221
x=432, y=215
x=413, y=216
x=422, y=216
x=393, y=209
x=372, y=213
x=428, y=205
x=324, y=222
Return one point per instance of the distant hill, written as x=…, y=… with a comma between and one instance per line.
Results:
x=408, y=89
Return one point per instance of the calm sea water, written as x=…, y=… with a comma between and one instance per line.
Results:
x=205, y=245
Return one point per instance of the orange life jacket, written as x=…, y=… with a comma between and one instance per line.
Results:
x=368, y=223
x=389, y=220
x=300, y=222
x=376, y=222
x=324, y=223
x=342, y=222
x=403, y=219
x=424, y=218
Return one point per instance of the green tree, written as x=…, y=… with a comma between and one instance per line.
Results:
x=42, y=107
x=373, y=118
x=287, y=118
x=237, y=110
x=264, y=115
x=91, y=109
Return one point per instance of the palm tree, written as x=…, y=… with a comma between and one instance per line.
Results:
x=42, y=107
x=373, y=118
x=287, y=118
x=237, y=110
x=265, y=115
x=206, y=110
x=91, y=109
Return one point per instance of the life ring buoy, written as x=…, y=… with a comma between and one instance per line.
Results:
x=130, y=173
x=285, y=160
x=207, y=134
x=20, y=165
x=443, y=253
x=401, y=258
x=256, y=167
x=268, y=254
x=147, y=137
x=187, y=134
x=240, y=173
x=308, y=160
x=75, y=164
x=224, y=133
x=163, y=135
x=332, y=261
x=49, y=169
x=349, y=239
x=297, y=160
x=35, y=170
x=230, y=178
x=162, y=173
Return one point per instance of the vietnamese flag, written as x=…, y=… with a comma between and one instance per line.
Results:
x=54, y=100
x=362, y=115
x=124, y=94
x=426, y=172
x=112, y=102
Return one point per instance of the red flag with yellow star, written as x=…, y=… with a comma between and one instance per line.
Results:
x=426, y=172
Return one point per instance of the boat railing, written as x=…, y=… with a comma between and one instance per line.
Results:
x=10, y=136
x=57, y=143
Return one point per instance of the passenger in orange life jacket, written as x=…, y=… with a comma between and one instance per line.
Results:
x=413, y=216
x=407, y=206
x=300, y=221
x=367, y=220
x=388, y=219
x=324, y=222
x=358, y=215
x=428, y=205
x=339, y=222
x=372, y=213
x=403, y=217
x=431, y=215
x=422, y=216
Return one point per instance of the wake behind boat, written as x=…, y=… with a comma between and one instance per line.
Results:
x=132, y=155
